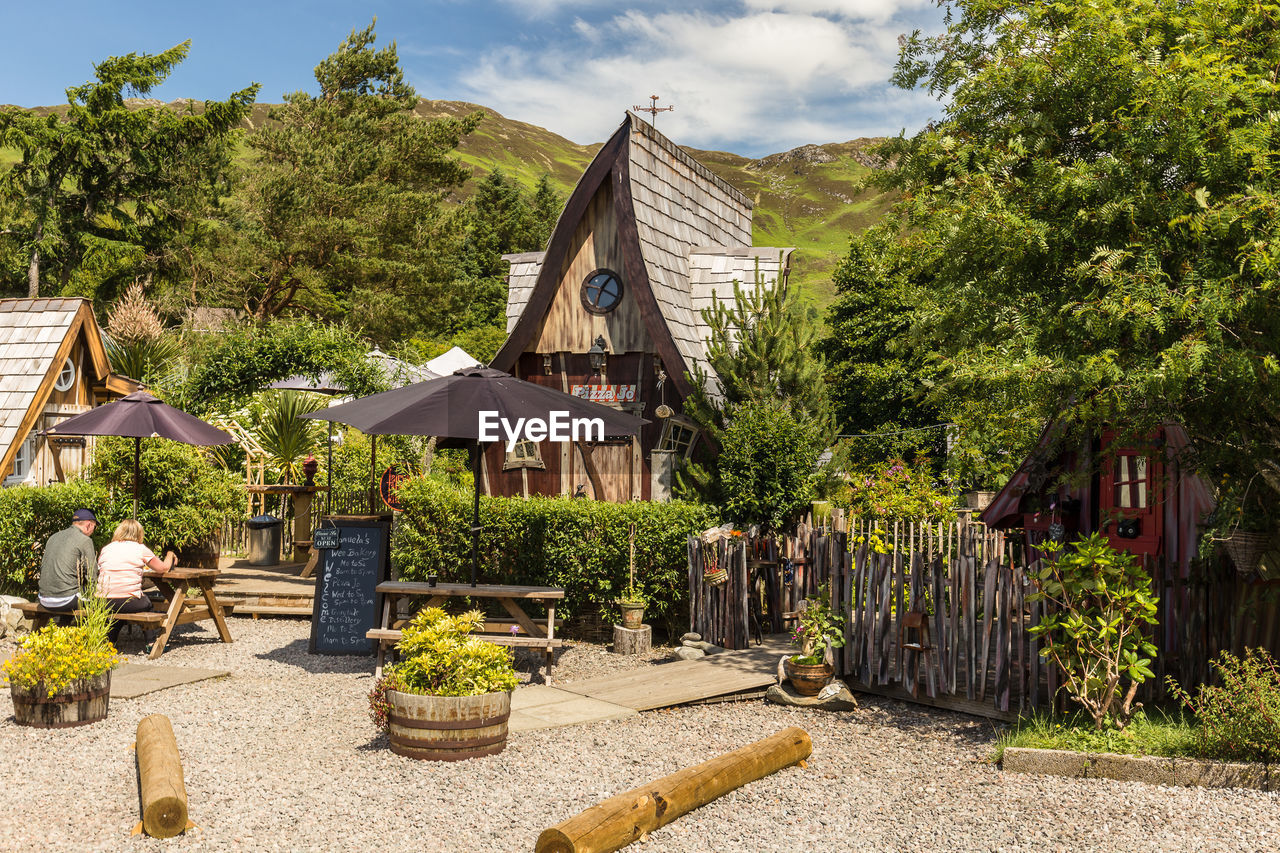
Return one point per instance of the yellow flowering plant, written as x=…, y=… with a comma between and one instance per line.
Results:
x=57, y=655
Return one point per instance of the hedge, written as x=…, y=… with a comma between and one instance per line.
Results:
x=29, y=515
x=580, y=545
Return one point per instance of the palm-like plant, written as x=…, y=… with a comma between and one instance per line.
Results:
x=285, y=435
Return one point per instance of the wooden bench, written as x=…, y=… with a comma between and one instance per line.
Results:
x=391, y=636
x=41, y=615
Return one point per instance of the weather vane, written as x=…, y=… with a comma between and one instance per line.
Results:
x=653, y=109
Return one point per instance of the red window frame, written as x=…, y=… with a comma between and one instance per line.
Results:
x=1150, y=538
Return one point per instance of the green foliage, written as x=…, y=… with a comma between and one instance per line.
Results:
x=818, y=628
x=1240, y=718
x=767, y=470
x=898, y=490
x=182, y=496
x=877, y=380
x=29, y=515
x=239, y=361
x=57, y=655
x=108, y=182
x=439, y=658
x=1158, y=733
x=1102, y=603
x=1094, y=219
x=580, y=545
x=343, y=213
x=286, y=436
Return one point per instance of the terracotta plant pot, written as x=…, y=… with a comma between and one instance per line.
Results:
x=78, y=704
x=632, y=615
x=448, y=728
x=809, y=679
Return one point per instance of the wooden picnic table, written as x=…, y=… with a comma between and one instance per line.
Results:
x=524, y=631
x=177, y=609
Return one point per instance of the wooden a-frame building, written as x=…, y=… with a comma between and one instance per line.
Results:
x=647, y=240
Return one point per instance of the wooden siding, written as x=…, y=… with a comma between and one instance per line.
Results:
x=567, y=325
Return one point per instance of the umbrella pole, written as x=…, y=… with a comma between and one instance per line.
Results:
x=137, y=454
x=373, y=474
x=328, y=474
x=475, y=514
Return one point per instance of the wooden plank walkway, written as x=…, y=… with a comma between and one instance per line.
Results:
x=681, y=682
x=265, y=590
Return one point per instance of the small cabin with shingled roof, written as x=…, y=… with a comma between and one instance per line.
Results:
x=648, y=238
x=53, y=365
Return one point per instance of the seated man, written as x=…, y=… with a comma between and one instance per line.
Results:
x=68, y=558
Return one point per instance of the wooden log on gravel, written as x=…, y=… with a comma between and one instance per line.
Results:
x=618, y=821
x=632, y=641
x=164, y=796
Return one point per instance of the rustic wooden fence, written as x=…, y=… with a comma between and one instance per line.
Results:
x=970, y=587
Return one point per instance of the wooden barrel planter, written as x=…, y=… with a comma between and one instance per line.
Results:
x=448, y=728
x=79, y=703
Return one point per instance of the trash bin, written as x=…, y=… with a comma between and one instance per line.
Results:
x=264, y=540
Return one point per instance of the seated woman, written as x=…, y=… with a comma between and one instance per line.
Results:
x=120, y=566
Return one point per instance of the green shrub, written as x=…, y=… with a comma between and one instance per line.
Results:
x=898, y=490
x=29, y=515
x=768, y=465
x=439, y=658
x=580, y=545
x=1239, y=719
x=182, y=496
x=1094, y=633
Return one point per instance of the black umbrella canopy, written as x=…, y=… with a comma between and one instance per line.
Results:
x=451, y=407
x=325, y=383
x=140, y=415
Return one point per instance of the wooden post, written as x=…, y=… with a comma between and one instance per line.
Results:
x=164, y=796
x=620, y=820
x=301, y=526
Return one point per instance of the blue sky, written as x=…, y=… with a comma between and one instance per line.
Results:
x=748, y=76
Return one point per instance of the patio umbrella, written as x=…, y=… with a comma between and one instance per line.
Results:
x=325, y=384
x=140, y=415
x=449, y=407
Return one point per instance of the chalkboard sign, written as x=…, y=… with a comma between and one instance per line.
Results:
x=345, y=605
x=326, y=538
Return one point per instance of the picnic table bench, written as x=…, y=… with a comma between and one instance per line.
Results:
x=526, y=634
x=176, y=609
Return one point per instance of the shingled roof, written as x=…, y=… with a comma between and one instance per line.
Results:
x=35, y=337
x=692, y=235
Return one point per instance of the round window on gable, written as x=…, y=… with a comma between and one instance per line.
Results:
x=601, y=292
x=67, y=377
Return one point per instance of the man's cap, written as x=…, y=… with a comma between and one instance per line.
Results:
x=84, y=515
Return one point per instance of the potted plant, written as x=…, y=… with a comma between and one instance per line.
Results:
x=632, y=605
x=61, y=675
x=449, y=696
x=818, y=629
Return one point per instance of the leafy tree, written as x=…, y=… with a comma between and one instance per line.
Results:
x=1096, y=214
x=877, y=378
x=767, y=469
x=503, y=220
x=110, y=183
x=343, y=213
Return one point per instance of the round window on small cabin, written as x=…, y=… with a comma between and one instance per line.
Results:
x=601, y=292
x=67, y=377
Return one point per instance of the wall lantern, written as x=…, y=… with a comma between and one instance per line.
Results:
x=597, y=354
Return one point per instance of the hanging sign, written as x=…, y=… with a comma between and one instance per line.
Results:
x=605, y=393
x=391, y=478
x=326, y=538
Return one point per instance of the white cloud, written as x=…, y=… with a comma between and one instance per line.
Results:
x=755, y=82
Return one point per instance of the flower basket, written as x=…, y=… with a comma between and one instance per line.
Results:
x=1245, y=548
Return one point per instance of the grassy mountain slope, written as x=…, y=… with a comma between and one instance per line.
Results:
x=807, y=198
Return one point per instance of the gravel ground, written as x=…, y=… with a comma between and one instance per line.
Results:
x=280, y=756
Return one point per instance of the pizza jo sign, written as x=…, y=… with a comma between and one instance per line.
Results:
x=605, y=393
